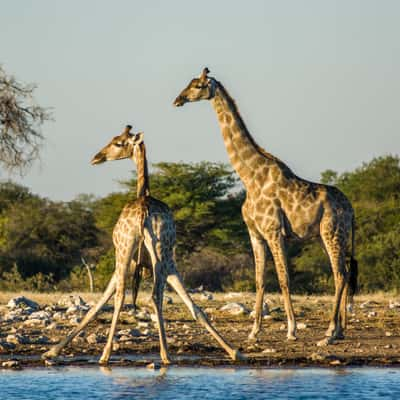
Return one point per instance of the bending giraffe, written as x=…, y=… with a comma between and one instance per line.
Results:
x=145, y=222
x=279, y=205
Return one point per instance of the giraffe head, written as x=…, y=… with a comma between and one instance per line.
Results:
x=201, y=88
x=125, y=145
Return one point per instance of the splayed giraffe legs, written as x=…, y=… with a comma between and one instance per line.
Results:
x=123, y=260
x=91, y=314
x=175, y=281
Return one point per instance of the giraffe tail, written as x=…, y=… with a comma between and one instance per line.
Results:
x=353, y=265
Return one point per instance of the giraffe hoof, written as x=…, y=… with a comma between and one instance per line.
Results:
x=325, y=342
x=238, y=356
x=103, y=361
x=252, y=337
x=166, y=361
x=49, y=354
x=291, y=337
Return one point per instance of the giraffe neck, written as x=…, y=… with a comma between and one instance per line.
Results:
x=143, y=185
x=245, y=155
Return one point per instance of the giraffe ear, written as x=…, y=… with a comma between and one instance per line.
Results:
x=203, y=76
x=138, y=138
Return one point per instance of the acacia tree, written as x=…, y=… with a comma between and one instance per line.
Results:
x=21, y=119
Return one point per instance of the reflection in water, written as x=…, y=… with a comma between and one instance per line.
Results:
x=74, y=383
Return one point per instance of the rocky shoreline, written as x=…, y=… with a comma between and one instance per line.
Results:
x=28, y=328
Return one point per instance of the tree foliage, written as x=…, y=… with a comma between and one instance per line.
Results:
x=41, y=241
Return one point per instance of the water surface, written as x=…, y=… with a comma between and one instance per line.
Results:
x=199, y=383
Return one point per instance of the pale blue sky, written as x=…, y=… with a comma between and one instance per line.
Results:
x=317, y=82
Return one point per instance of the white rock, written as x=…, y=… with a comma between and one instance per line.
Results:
x=40, y=315
x=72, y=300
x=144, y=315
x=129, y=333
x=372, y=314
x=301, y=326
x=235, y=308
x=269, y=351
x=17, y=339
x=22, y=302
x=394, y=304
x=143, y=324
x=265, y=311
x=94, y=338
x=10, y=364
x=59, y=315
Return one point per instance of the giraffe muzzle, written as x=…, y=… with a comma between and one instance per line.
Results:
x=180, y=101
x=98, y=159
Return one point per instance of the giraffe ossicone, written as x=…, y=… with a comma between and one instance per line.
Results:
x=144, y=223
x=279, y=206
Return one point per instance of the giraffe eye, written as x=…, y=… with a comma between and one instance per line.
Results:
x=118, y=144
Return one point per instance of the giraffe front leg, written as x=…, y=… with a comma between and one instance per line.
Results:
x=175, y=281
x=157, y=301
x=55, y=350
x=277, y=247
x=259, y=251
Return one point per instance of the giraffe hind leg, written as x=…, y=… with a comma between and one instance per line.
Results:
x=336, y=252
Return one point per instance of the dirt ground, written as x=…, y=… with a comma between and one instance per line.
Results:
x=372, y=335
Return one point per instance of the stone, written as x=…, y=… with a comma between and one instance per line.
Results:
x=17, y=339
x=44, y=315
x=59, y=315
x=317, y=357
x=143, y=315
x=269, y=350
x=22, y=302
x=41, y=340
x=129, y=333
x=394, y=304
x=54, y=326
x=265, y=311
x=235, y=309
x=301, y=326
x=388, y=334
x=94, y=338
x=72, y=300
x=372, y=314
x=143, y=324
x=13, y=364
x=6, y=347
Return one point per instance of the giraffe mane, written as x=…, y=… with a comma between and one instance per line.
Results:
x=259, y=149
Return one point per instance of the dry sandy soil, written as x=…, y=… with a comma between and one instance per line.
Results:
x=372, y=336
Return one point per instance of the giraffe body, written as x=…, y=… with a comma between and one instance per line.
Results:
x=280, y=206
x=146, y=222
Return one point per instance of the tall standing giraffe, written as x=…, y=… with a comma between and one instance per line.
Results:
x=149, y=222
x=280, y=205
